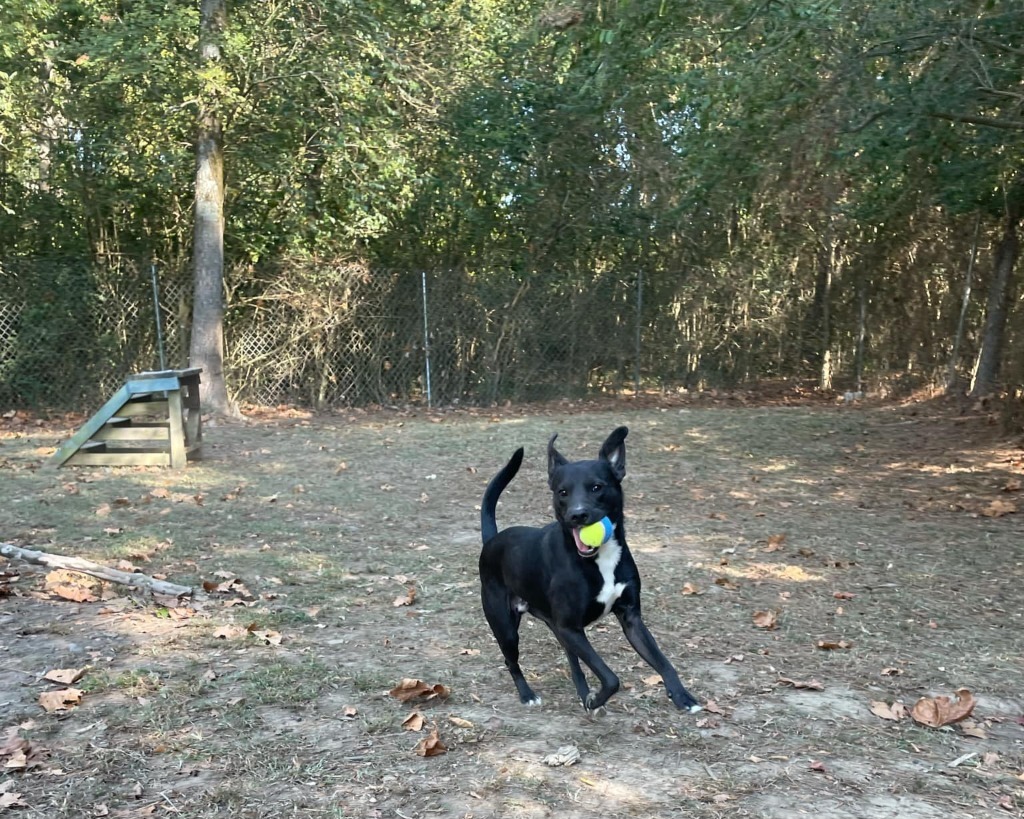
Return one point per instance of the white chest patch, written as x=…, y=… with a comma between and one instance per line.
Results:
x=607, y=559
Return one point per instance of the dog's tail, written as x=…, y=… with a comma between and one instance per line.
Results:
x=488, y=523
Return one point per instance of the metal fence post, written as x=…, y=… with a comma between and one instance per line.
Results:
x=159, y=322
x=639, y=323
x=426, y=338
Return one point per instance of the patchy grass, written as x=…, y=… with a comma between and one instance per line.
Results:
x=870, y=529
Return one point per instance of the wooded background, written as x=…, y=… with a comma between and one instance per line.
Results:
x=595, y=195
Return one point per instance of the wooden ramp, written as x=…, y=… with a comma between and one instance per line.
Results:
x=153, y=420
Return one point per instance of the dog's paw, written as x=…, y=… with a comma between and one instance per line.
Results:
x=696, y=708
x=535, y=702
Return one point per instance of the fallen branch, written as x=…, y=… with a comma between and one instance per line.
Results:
x=78, y=564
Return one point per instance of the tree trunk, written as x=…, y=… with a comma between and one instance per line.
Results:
x=1000, y=296
x=206, y=348
x=953, y=382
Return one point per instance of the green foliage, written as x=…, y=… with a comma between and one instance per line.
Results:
x=736, y=153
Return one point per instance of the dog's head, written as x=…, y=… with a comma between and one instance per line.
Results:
x=583, y=492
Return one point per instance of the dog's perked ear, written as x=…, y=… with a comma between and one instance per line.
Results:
x=613, y=450
x=555, y=459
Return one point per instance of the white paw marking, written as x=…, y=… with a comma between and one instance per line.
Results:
x=694, y=709
x=536, y=702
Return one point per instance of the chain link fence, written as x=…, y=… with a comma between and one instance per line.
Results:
x=330, y=335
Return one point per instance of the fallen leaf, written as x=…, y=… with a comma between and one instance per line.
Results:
x=407, y=599
x=409, y=689
x=431, y=745
x=894, y=712
x=841, y=595
x=71, y=586
x=65, y=676
x=998, y=508
x=414, y=722
x=775, y=543
x=818, y=766
x=726, y=583
x=654, y=679
x=564, y=756
x=266, y=636
x=713, y=707
x=891, y=672
x=60, y=700
x=1012, y=485
x=10, y=799
x=460, y=722
x=810, y=685
x=970, y=728
x=766, y=619
x=349, y=712
x=689, y=588
x=938, y=711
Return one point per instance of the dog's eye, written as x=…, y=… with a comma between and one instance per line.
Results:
x=563, y=493
x=597, y=487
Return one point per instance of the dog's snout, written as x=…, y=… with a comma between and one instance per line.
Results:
x=578, y=516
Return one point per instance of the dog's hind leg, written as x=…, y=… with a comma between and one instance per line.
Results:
x=504, y=621
x=579, y=680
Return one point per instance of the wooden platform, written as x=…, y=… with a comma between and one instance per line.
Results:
x=155, y=419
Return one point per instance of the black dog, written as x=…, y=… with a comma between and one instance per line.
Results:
x=554, y=576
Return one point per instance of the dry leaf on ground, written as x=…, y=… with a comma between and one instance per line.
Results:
x=410, y=689
x=65, y=676
x=406, y=599
x=60, y=700
x=894, y=712
x=266, y=636
x=431, y=745
x=998, y=508
x=810, y=685
x=938, y=711
x=414, y=722
x=766, y=619
x=564, y=756
x=10, y=799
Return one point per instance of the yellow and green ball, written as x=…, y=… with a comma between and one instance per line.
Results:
x=596, y=534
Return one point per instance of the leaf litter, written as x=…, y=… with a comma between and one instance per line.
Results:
x=844, y=523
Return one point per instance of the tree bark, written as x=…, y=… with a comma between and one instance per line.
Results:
x=206, y=348
x=952, y=378
x=1000, y=297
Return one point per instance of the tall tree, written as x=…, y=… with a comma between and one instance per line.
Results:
x=207, y=341
x=1000, y=292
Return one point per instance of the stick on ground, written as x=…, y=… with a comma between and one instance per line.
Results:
x=78, y=564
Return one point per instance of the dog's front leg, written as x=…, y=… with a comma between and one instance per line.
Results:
x=643, y=641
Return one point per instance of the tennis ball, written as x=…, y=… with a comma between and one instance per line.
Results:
x=596, y=534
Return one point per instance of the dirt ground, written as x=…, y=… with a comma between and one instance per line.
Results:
x=810, y=569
